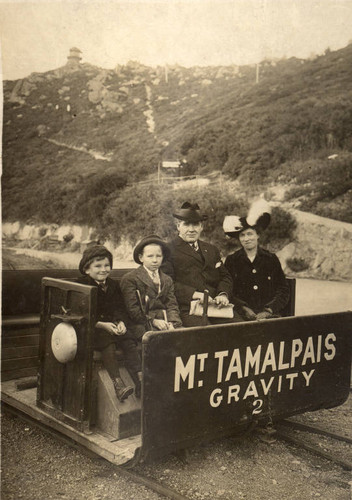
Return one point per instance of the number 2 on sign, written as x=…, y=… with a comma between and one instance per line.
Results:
x=257, y=403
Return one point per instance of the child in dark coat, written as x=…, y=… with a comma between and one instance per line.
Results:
x=148, y=292
x=110, y=331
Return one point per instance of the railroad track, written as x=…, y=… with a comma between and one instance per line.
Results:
x=287, y=431
x=151, y=484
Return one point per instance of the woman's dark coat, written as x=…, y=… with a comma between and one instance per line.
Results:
x=259, y=284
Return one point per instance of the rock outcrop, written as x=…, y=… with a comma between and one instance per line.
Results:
x=325, y=245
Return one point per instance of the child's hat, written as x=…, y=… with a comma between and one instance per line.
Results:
x=258, y=218
x=149, y=240
x=92, y=253
x=189, y=212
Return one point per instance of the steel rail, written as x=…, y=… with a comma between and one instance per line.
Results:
x=314, y=449
x=127, y=473
x=315, y=429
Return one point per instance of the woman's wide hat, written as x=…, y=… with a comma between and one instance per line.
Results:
x=258, y=218
x=189, y=212
x=152, y=239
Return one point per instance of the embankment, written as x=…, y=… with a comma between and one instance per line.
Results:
x=325, y=245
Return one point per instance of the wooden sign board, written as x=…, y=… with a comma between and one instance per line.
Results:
x=65, y=388
x=201, y=383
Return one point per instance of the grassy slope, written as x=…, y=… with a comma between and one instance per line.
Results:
x=280, y=130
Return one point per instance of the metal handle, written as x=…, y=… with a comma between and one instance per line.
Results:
x=145, y=309
x=205, y=307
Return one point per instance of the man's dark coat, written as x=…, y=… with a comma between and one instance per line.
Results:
x=193, y=271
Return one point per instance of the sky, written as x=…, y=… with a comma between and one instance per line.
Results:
x=37, y=36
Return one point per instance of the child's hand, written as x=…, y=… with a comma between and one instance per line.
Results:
x=120, y=328
x=107, y=326
x=161, y=324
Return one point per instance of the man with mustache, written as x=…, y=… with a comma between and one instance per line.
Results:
x=195, y=266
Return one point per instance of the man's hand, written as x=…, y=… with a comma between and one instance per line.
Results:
x=263, y=315
x=248, y=313
x=221, y=300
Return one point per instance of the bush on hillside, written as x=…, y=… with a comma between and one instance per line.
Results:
x=280, y=230
x=145, y=209
x=324, y=186
x=284, y=127
x=297, y=264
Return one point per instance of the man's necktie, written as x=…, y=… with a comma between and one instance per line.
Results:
x=195, y=246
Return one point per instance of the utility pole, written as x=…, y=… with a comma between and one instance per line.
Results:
x=257, y=74
x=159, y=162
x=166, y=74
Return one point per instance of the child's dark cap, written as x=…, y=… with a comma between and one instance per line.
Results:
x=91, y=253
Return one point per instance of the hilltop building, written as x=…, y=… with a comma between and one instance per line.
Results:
x=74, y=58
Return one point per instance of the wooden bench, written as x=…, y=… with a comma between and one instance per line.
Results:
x=21, y=299
x=21, y=302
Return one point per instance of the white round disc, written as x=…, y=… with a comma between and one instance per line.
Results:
x=64, y=342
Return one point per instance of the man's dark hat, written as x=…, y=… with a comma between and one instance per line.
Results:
x=189, y=212
x=258, y=218
x=149, y=240
x=91, y=253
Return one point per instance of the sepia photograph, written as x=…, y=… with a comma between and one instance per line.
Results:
x=176, y=215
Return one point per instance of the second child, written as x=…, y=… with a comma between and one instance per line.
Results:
x=148, y=292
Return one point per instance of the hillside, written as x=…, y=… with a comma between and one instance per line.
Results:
x=76, y=139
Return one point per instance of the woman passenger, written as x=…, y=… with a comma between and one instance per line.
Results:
x=260, y=290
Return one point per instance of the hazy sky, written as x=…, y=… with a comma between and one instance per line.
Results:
x=37, y=36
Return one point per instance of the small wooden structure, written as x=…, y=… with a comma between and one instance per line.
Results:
x=74, y=396
x=79, y=392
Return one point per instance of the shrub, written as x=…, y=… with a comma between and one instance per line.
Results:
x=280, y=230
x=109, y=143
x=297, y=264
x=68, y=237
x=145, y=209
